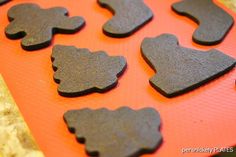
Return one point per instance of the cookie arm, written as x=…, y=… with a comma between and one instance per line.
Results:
x=69, y=25
x=14, y=32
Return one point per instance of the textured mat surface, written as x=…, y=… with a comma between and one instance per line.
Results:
x=202, y=118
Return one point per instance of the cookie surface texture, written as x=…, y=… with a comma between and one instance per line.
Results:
x=120, y=133
x=129, y=16
x=181, y=69
x=214, y=22
x=79, y=71
x=36, y=26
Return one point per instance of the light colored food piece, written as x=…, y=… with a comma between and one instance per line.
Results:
x=15, y=137
x=229, y=3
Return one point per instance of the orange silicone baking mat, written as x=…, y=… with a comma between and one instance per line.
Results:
x=205, y=117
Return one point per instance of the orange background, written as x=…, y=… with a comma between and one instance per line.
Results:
x=204, y=117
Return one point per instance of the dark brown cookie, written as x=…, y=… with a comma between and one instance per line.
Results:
x=79, y=71
x=182, y=69
x=36, y=26
x=129, y=16
x=214, y=22
x=3, y=1
x=120, y=133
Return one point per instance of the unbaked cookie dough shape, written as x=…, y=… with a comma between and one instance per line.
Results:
x=79, y=71
x=214, y=22
x=36, y=26
x=120, y=133
x=3, y=1
x=181, y=69
x=129, y=16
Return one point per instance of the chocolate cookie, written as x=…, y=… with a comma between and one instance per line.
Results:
x=182, y=69
x=214, y=22
x=79, y=71
x=36, y=26
x=129, y=16
x=120, y=133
